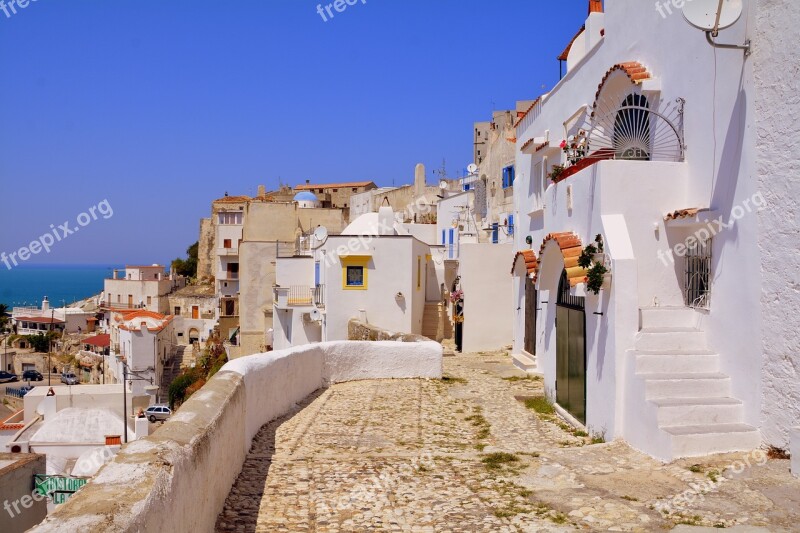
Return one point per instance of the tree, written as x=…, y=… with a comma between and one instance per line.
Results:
x=41, y=343
x=187, y=267
x=3, y=316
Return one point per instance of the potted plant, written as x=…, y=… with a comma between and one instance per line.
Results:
x=592, y=258
x=575, y=147
x=555, y=172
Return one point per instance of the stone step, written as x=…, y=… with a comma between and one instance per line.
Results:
x=694, y=441
x=668, y=317
x=698, y=411
x=695, y=385
x=524, y=362
x=652, y=339
x=676, y=361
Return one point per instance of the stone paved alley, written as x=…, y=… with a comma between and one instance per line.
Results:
x=466, y=454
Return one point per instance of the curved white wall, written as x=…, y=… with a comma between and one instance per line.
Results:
x=178, y=478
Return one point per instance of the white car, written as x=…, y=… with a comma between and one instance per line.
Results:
x=158, y=412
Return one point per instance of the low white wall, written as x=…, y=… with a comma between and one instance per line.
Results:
x=795, y=451
x=178, y=478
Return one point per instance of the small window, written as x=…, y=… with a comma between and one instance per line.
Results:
x=355, y=276
x=355, y=189
x=177, y=311
x=508, y=177
x=226, y=243
x=149, y=300
x=419, y=272
x=335, y=190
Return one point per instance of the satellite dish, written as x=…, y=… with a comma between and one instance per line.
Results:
x=472, y=168
x=321, y=233
x=443, y=185
x=315, y=314
x=703, y=14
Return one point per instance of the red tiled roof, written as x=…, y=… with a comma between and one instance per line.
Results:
x=143, y=313
x=571, y=248
x=565, y=54
x=635, y=71
x=310, y=186
x=684, y=213
x=232, y=199
x=530, y=261
x=12, y=427
x=523, y=115
x=39, y=320
x=101, y=341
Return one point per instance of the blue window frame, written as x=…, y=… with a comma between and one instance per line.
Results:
x=495, y=233
x=466, y=186
x=508, y=176
x=511, y=224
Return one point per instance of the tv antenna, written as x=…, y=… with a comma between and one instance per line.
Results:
x=711, y=16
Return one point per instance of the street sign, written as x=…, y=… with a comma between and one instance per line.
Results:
x=58, y=488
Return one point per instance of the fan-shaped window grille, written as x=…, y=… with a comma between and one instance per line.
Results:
x=632, y=129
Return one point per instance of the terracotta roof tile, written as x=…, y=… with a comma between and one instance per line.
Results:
x=232, y=199
x=530, y=261
x=571, y=247
x=684, y=213
x=101, y=341
x=11, y=427
x=565, y=54
x=38, y=320
x=525, y=114
x=635, y=71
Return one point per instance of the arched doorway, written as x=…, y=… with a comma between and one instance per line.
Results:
x=194, y=336
x=530, y=316
x=570, y=351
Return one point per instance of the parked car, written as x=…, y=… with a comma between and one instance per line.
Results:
x=6, y=377
x=158, y=412
x=70, y=378
x=32, y=375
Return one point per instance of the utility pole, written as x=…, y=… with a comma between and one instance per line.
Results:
x=50, y=347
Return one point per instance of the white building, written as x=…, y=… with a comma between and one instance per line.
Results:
x=376, y=271
x=35, y=320
x=139, y=287
x=690, y=347
x=144, y=341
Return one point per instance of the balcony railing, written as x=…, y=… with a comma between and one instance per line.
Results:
x=300, y=296
x=319, y=295
x=120, y=305
x=229, y=276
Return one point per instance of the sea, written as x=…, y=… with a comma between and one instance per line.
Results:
x=27, y=285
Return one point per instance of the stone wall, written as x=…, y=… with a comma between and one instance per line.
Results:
x=178, y=478
x=21, y=511
x=206, y=249
x=360, y=331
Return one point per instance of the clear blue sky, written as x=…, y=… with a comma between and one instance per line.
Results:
x=162, y=106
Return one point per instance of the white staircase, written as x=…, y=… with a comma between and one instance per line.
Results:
x=678, y=402
x=525, y=362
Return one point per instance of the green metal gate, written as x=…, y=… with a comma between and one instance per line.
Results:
x=570, y=351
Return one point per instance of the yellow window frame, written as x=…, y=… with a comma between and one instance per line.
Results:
x=355, y=261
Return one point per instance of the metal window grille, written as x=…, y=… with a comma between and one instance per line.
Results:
x=697, y=289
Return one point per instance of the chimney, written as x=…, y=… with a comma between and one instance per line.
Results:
x=262, y=191
x=595, y=6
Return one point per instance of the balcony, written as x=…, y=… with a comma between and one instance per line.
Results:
x=227, y=252
x=228, y=276
x=123, y=306
x=299, y=296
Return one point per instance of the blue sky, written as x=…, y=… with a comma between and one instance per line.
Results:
x=160, y=107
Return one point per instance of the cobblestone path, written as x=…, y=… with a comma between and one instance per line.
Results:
x=466, y=454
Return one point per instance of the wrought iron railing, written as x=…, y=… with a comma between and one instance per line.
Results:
x=319, y=295
x=696, y=288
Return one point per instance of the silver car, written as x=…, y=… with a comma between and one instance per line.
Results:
x=158, y=412
x=70, y=378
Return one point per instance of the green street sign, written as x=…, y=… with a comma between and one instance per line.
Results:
x=58, y=488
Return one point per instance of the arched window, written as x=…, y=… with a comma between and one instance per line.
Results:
x=632, y=129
